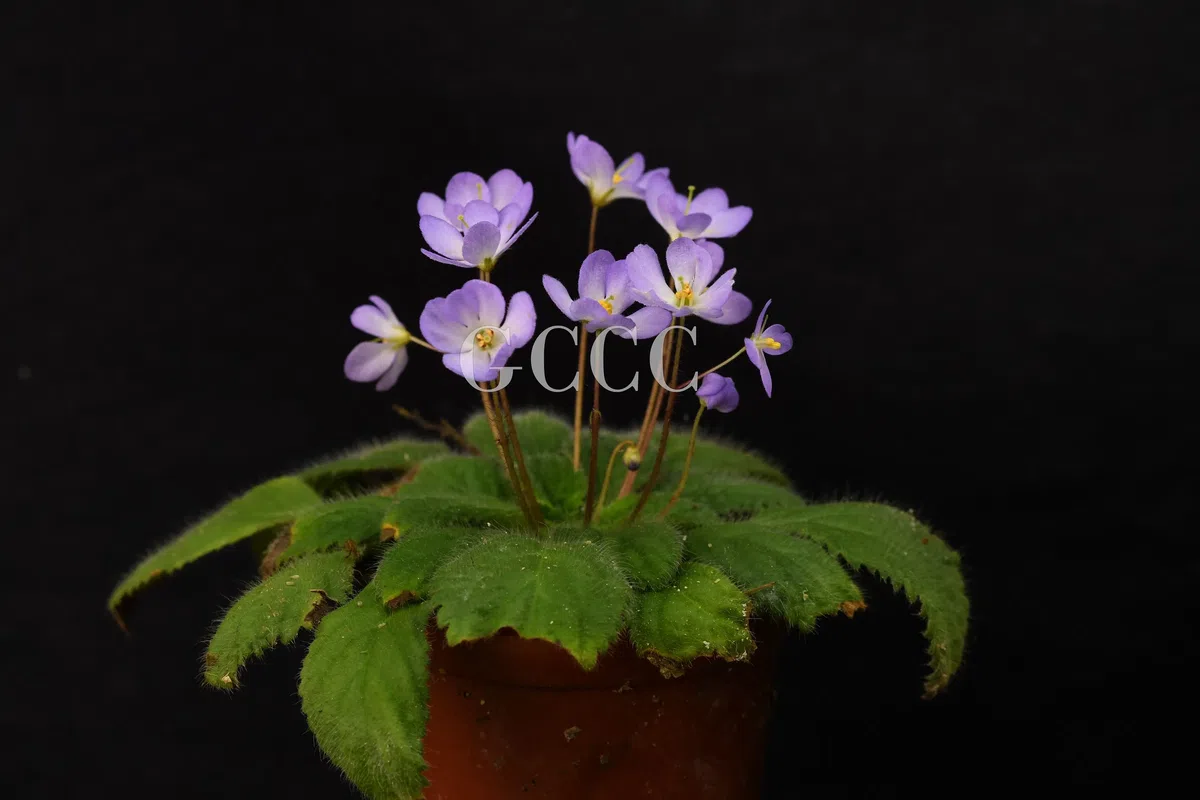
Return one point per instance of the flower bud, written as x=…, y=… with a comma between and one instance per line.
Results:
x=631, y=458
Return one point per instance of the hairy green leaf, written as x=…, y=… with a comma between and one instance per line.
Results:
x=334, y=524
x=795, y=579
x=715, y=457
x=395, y=456
x=406, y=568
x=478, y=476
x=538, y=432
x=274, y=611
x=273, y=503
x=650, y=551
x=701, y=614
x=559, y=489
x=364, y=688
x=739, y=498
x=572, y=593
x=898, y=547
x=411, y=509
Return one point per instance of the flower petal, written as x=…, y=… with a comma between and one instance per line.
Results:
x=715, y=296
x=729, y=223
x=388, y=380
x=779, y=334
x=504, y=186
x=453, y=213
x=710, y=201
x=451, y=261
x=442, y=326
x=736, y=308
x=509, y=242
x=764, y=372
x=616, y=286
x=593, y=162
x=660, y=200
x=430, y=205
x=558, y=294
x=762, y=317
x=718, y=393
x=646, y=277
x=523, y=200
x=486, y=299
x=481, y=242
x=385, y=308
x=592, y=272
x=368, y=360
x=688, y=261
x=693, y=225
x=521, y=321
x=589, y=309
x=753, y=353
x=442, y=237
x=716, y=253
x=465, y=187
x=480, y=211
x=631, y=169
x=370, y=319
x=650, y=322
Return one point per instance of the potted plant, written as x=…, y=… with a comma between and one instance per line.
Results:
x=540, y=607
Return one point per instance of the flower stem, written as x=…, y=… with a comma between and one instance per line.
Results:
x=592, y=230
x=526, y=484
x=591, y=492
x=666, y=433
x=583, y=337
x=653, y=406
x=620, y=448
x=729, y=360
x=502, y=447
x=687, y=464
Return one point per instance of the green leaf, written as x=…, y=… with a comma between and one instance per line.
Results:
x=411, y=509
x=650, y=551
x=273, y=503
x=903, y=550
x=274, y=611
x=364, y=688
x=739, y=498
x=716, y=457
x=572, y=593
x=538, y=431
x=336, y=523
x=395, y=456
x=406, y=568
x=477, y=476
x=559, y=489
x=685, y=514
x=796, y=579
x=701, y=614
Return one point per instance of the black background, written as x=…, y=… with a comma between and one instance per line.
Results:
x=977, y=220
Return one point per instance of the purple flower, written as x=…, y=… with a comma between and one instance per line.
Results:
x=384, y=358
x=604, y=294
x=592, y=164
x=774, y=341
x=718, y=393
x=478, y=220
x=706, y=215
x=692, y=290
x=473, y=331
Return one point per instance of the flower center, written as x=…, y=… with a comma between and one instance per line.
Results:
x=617, y=178
x=769, y=343
x=606, y=303
x=483, y=339
x=683, y=295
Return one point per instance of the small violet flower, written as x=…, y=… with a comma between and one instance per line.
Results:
x=706, y=215
x=691, y=288
x=477, y=221
x=774, y=341
x=718, y=393
x=592, y=164
x=384, y=358
x=604, y=294
x=472, y=329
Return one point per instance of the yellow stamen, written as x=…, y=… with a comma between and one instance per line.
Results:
x=479, y=190
x=607, y=303
x=483, y=339
x=617, y=178
x=462, y=220
x=683, y=296
x=769, y=343
x=688, y=208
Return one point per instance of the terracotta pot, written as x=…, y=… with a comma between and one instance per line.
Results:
x=512, y=717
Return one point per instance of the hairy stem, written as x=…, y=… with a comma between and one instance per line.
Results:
x=620, y=448
x=687, y=464
x=729, y=360
x=502, y=447
x=653, y=407
x=583, y=337
x=526, y=484
x=666, y=433
x=591, y=492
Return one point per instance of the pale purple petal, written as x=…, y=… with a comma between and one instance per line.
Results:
x=480, y=211
x=441, y=328
x=504, y=186
x=779, y=334
x=693, y=225
x=510, y=217
x=473, y=363
x=650, y=322
x=430, y=205
x=558, y=294
x=718, y=393
x=384, y=307
x=659, y=194
x=764, y=372
x=616, y=285
x=452, y=262
x=716, y=295
x=497, y=359
x=710, y=201
x=453, y=213
x=592, y=272
x=521, y=322
x=523, y=200
x=589, y=309
x=654, y=174
x=370, y=319
x=442, y=237
x=645, y=275
x=729, y=223
x=616, y=321
x=488, y=301
x=716, y=253
x=512, y=240
x=736, y=308
x=753, y=353
x=368, y=360
x=592, y=161
x=465, y=187
x=480, y=243
x=688, y=261
x=570, y=142
x=762, y=317
x=388, y=380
